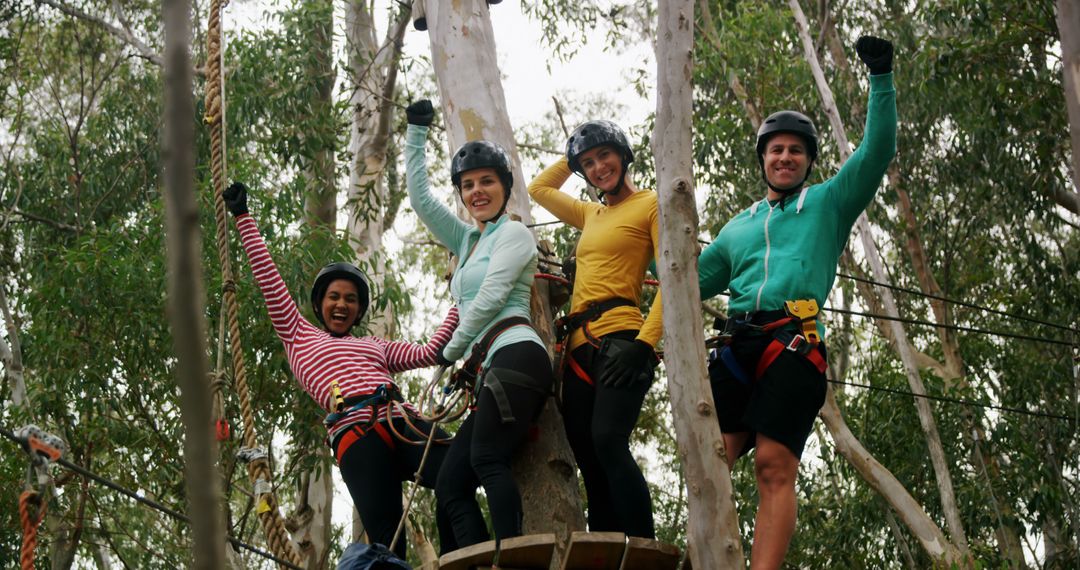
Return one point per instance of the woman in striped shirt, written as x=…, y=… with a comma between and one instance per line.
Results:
x=328, y=362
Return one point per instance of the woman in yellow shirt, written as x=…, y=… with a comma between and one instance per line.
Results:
x=610, y=357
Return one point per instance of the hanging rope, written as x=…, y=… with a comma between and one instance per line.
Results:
x=258, y=469
x=31, y=513
x=23, y=440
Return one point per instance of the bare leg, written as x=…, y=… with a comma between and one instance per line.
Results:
x=733, y=446
x=776, y=468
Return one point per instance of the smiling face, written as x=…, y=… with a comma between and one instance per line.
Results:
x=340, y=306
x=602, y=167
x=482, y=192
x=786, y=161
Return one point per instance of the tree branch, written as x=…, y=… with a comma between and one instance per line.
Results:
x=46, y=221
x=143, y=50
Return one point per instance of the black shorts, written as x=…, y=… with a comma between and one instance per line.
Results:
x=782, y=404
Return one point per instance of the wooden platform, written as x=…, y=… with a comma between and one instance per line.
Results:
x=587, y=551
x=532, y=552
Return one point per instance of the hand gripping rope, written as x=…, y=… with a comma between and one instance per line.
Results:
x=43, y=449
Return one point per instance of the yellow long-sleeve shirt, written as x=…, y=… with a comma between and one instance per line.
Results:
x=617, y=243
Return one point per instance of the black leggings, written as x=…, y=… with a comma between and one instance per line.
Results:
x=484, y=446
x=373, y=472
x=598, y=421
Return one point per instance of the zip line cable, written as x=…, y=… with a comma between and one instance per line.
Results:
x=951, y=327
x=920, y=294
x=148, y=502
x=956, y=401
x=960, y=303
x=961, y=328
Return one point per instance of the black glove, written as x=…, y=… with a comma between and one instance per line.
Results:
x=876, y=53
x=420, y=113
x=629, y=364
x=236, y=198
x=442, y=361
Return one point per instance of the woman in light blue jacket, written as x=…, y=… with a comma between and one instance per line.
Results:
x=491, y=286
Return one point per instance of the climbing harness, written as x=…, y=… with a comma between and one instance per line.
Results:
x=44, y=449
x=565, y=327
x=471, y=375
x=806, y=343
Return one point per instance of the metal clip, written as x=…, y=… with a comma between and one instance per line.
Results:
x=250, y=454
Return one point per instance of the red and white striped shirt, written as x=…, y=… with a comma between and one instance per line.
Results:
x=359, y=364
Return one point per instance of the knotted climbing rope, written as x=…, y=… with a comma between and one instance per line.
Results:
x=258, y=467
x=42, y=449
x=31, y=513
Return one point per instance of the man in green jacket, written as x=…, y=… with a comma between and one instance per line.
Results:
x=778, y=261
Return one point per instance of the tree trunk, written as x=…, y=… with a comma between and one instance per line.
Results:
x=11, y=356
x=311, y=527
x=712, y=523
x=185, y=291
x=903, y=346
x=463, y=56
x=320, y=204
x=310, y=524
x=922, y=527
x=953, y=371
x=1068, y=19
x=373, y=72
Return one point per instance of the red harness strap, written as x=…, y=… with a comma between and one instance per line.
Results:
x=799, y=345
x=578, y=370
x=356, y=432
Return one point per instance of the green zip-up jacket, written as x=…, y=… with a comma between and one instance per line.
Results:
x=494, y=281
x=771, y=253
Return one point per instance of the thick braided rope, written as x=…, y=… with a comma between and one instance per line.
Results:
x=29, y=498
x=271, y=519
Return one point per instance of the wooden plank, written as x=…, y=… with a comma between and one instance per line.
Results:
x=531, y=552
x=646, y=554
x=528, y=552
x=595, y=551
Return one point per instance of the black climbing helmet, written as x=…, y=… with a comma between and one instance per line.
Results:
x=792, y=122
x=483, y=154
x=593, y=134
x=332, y=272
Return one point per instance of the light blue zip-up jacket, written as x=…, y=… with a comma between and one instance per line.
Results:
x=771, y=253
x=492, y=283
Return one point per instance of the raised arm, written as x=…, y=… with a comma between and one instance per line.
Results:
x=284, y=314
x=545, y=189
x=513, y=253
x=442, y=222
x=854, y=186
x=401, y=355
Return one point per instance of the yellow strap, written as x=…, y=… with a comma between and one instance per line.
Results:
x=806, y=310
x=335, y=393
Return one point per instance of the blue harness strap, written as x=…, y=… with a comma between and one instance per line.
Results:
x=380, y=396
x=727, y=356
